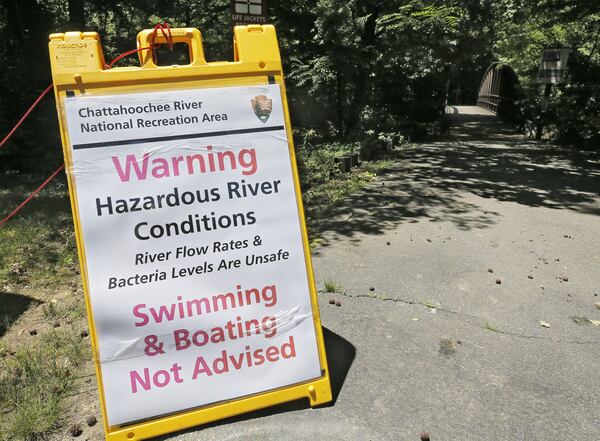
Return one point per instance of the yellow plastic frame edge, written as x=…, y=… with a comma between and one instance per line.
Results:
x=78, y=65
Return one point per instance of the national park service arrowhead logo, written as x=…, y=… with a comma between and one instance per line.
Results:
x=262, y=107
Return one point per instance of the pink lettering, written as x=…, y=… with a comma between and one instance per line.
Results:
x=168, y=313
x=209, y=161
x=181, y=339
x=131, y=162
x=160, y=378
x=141, y=315
x=135, y=378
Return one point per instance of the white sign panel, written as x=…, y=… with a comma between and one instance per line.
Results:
x=553, y=66
x=197, y=275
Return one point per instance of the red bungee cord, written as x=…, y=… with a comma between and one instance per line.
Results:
x=33, y=106
x=164, y=28
x=5, y=140
x=166, y=31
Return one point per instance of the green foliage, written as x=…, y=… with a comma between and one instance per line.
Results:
x=444, y=17
x=64, y=310
x=316, y=164
x=352, y=65
x=34, y=382
x=374, y=66
x=332, y=287
x=38, y=247
x=574, y=104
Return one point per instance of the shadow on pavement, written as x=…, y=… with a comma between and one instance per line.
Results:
x=340, y=356
x=481, y=156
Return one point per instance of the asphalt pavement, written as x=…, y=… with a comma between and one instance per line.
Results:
x=470, y=272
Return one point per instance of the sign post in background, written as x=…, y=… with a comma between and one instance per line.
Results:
x=553, y=66
x=249, y=12
x=191, y=235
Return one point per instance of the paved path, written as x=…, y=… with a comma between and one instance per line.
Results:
x=438, y=345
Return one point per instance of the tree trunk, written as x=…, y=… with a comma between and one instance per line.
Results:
x=339, y=101
x=542, y=120
x=28, y=46
x=76, y=15
x=358, y=99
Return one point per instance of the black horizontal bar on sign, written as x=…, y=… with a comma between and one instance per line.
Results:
x=92, y=145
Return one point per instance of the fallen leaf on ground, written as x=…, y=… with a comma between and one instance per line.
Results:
x=447, y=347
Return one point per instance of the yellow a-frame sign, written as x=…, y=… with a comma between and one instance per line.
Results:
x=190, y=230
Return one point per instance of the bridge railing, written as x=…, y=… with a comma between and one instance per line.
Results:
x=497, y=104
x=499, y=90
